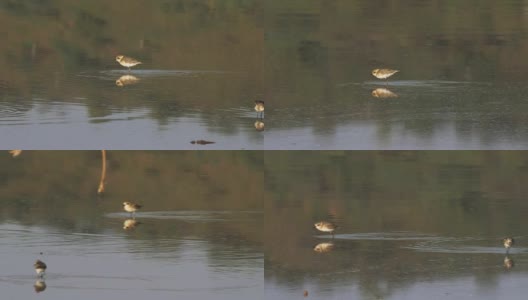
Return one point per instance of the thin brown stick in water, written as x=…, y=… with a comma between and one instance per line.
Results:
x=101, y=188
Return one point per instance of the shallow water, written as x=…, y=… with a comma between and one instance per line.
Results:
x=153, y=109
x=201, y=73
x=410, y=225
x=178, y=245
x=407, y=115
x=461, y=83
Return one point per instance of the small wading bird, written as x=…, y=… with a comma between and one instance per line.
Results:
x=383, y=73
x=326, y=227
x=127, y=62
x=40, y=268
x=508, y=243
x=259, y=108
x=131, y=207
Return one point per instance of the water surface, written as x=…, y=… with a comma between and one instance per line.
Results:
x=197, y=235
x=200, y=75
x=461, y=83
x=411, y=225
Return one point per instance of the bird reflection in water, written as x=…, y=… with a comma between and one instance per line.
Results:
x=130, y=224
x=39, y=286
x=127, y=80
x=259, y=125
x=324, y=247
x=508, y=263
x=383, y=93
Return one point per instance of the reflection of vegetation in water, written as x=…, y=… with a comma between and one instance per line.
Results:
x=93, y=31
x=476, y=196
x=313, y=47
x=62, y=39
x=56, y=188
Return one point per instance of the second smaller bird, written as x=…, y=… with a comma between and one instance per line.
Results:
x=40, y=267
x=259, y=108
x=508, y=243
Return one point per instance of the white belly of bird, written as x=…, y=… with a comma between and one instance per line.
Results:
x=40, y=271
x=384, y=76
x=325, y=229
x=130, y=209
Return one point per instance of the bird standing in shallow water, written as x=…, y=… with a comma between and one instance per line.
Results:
x=383, y=73
x=131, y=207
x=39, y=286
x=40, y=267
x=127, y=62
x=325, y=227
x=259, y=108
x=508, y=243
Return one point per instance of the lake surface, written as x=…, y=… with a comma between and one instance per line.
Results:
x=410, y=225
x=61, y=85
x=461, y=83
x=198, y=235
